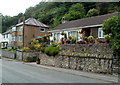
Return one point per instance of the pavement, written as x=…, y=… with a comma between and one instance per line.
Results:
x=77, y=76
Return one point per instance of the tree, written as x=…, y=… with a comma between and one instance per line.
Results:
x=92, y=12
x=76, y=11
x=112, y=26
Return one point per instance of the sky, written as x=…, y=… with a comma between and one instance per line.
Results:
x=14, y=7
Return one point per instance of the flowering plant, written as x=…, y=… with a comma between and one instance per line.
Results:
x=107, y=37
x=90, y=38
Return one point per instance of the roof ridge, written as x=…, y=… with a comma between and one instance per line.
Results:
x=94, y=16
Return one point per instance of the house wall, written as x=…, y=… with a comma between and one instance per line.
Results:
x=53, y=35
x=1, y=37
x=31, y=32
x=7, y=39
x=94, y=32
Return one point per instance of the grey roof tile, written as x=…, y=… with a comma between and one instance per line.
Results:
x=96, y=20
x=32, y=21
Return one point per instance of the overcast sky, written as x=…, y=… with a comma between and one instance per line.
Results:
x=14, y=7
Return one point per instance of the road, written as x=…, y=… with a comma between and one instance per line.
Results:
x=17, y=72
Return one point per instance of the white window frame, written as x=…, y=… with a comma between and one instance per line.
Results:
x=100, y=33
x=21, y=28
x=20, y=38
x=13, y=38
x=42, y=28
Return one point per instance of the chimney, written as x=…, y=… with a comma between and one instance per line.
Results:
x=64, y=20
x=19, y=20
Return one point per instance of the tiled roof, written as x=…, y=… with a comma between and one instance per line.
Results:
x=97, y=20
x=32, y=21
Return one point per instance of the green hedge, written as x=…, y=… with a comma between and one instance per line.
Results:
x=52, y=51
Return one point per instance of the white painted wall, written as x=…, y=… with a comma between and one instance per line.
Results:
x=1, y=37
x=79, y=35
x=7, y=39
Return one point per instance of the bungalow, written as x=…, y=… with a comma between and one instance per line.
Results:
x=80, y=28
x=6, y=39
x=25, y=31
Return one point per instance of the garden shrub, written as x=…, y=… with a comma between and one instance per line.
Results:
x=38, y=47
x=29, y=59
x=25, y=48
x=43, y=49
x=52, y=51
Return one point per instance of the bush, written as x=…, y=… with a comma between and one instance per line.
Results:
x=52, y=51
x=14, y=48
x=90, y=38
x=38, y=47
x=107, y=37
x=43, y=49
x=32, y=47
x=29, y=59
x=25, y=48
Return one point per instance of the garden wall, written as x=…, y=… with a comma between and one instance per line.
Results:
x=21, y=55
x=8, y=54
x=85, y=63
x=91, y=58
x=101, y=50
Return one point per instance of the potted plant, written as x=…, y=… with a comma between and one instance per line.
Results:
x=90, y=39
x=107, y=38
x=62, y=40
x=38, y=60
x=97, y=40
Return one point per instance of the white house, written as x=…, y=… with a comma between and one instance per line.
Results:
x=6, y=41
x=91, y=26
x=1, y=37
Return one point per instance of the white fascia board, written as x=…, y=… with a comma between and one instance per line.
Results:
x=75, y=28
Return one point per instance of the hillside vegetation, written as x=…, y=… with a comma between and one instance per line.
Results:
x=51, y=13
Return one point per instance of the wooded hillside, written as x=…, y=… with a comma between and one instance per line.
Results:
x=51, y=13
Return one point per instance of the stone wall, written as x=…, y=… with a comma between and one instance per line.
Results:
x=22, y=55
x=8, y=54
x=89, y=64
x=91, y=58
x=95, y=49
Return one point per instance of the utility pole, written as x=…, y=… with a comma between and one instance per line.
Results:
x=23, y=29
x=23, y=35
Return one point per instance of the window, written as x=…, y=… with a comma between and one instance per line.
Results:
x=3, y=36
x=72, y=33
x=42, y=29
x=6, y=35
x=20, y=39
x=21, y=28
x=100, y=33
x=13, y=38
